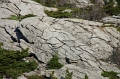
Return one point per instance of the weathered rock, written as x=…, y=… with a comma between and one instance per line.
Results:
x=85, y=43
x=113, y=19
x=81, y=3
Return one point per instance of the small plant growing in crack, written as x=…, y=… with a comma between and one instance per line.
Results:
x=110, y=74
x=86, y=77
x=52, y=75
x=118, y=29
x=86, y=29
x=68, y=74
x=54, y=63
x=20, y=17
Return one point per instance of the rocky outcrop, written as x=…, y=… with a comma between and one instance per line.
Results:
x=112, y=19
x=81, y=3
x=85, y=43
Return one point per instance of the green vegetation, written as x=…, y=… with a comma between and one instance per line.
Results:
x=54, y=3
x=75, y=12
x=86, y=29
x=95, y=12
x=110, y=74
x=86, y=77
x=109, y=26
x=84, y=13
x=52, y=75
x=54, y=63
x=58, y=14
x=110, y=9
x=118, y=29
x=68, y=74
x=12, y=63
x=14, y=17
x=35, y=77
x=38, y=1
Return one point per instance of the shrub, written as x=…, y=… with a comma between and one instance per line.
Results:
x=52, y=75
x=38, y=1
x=35, y=77
x=110, y=74
x=48, y=3
x=110, y=9
x=54, y=63
x=86, y=77
x=68, y=74
x=12, y=63
x=118, y=29
x=58, y=14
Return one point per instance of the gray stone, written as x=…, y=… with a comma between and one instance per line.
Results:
x=85, y=43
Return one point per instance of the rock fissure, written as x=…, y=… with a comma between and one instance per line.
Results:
x=82, y=46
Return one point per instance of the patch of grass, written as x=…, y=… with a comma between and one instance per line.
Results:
x=35, y=77
x=1, y=76
x=110, y=74
x=38, y=1
x=86, y=29
x=14, y=17
x=54, y=63
x=27, y=16
x=58, y=14
x=118, y=29
x=75, y=12
x=1, y=44
x=68, y=74
x=52, y=75
x=86, y=77
x=109, y=26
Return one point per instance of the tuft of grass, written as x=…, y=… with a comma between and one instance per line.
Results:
x=52, y=75
x=86, y=29
x=21, y=17
x=118, y=29
x=1, y=44
x=68, y=74
x=35, y=77
x=58, y=14
x=54, y=63
x=109, y=26
x=86, y=77
x=13, y=17
x=38, y=1
x=27, y=16
x=110, y=74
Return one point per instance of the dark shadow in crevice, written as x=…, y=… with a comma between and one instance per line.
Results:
x=14, y=39
x=33, y=55
x=20, y=35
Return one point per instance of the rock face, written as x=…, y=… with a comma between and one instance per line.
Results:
x=85, y=43
x=80, y=3
x=113, y=19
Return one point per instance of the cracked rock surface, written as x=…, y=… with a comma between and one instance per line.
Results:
x=85, y=43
